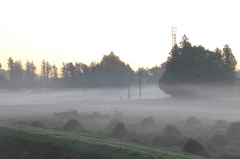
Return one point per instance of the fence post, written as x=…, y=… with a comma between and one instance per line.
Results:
x=92, y=140
x=106, y=142
x=179, y=155
x=79, y=136
x=157, y=154
x=120, y=144
x=137, y=149
x=66, y=136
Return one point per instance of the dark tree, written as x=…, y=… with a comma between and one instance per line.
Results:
x=2, y=78
x=119, y=130
x=115, y=71
x=11, y=69
x=156, y=72
x=16, y=73
x=229, y=64
x=54, y=74
x=111, y=71
x=43, y=71
x=69, y=75
x=30, y=74
x=48, y=71
x=194, y=147
x=190, y=65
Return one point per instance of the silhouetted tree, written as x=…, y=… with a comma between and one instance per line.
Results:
x=115, y=71
x=43, y=71
x=16, y=73
x=2, y=78
x=195, y=65
x=30, y=74
x=54, y=74
x=69, y=74
x=229, y=64
x=11, y=68
x=48, y=71
x=156, y=72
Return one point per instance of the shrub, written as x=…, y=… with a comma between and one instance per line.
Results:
x=119, y=130
x=37, y=123
x=233, y=132
x=72, y=125
x=67, y=114
x=112, y=123
x=194, y=147
x=229, y=156
x=221, y=124
x=162, y=141
x=211, y=147
x=219, y=140
x=192, y=122
x=171, y=130
x=147, y=121
x=166, y=141
x=22, y=122
x=170, y=137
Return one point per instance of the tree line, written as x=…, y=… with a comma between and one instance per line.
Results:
x=111, y=71
x=196, y=65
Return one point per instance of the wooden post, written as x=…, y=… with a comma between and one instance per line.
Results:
x=140, y=89
x=157, y=154
x=120, y=144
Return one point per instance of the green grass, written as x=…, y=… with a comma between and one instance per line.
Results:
x=93, y=147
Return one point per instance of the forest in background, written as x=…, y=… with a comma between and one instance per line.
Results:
x=111, y=71
x=186, y=65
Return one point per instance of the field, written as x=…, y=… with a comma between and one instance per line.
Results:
x=96, y=108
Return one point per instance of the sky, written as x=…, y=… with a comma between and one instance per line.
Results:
x=138, y=31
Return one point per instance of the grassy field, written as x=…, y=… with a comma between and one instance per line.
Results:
x=75, y=144
x=94, y=109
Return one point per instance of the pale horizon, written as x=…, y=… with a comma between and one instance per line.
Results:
x=139, y=32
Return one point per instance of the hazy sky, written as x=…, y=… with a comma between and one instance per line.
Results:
x=138, y=31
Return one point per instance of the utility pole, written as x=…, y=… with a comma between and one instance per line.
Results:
x=129, y=96
x=174, y=34
x=140, y=91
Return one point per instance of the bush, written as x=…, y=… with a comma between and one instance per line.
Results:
x=229, y=156
x=162, y=141
x=37, y=123
x=119, y=130
x=147, y=121
x=112, y=123
x=221, y=124
x=22, y=122
x=67, y=114
x=233, y=132
x=72, y=125
x=166, y=141
x=192, y=122
x=219, y=140
x=171, y=130
x=194, y=147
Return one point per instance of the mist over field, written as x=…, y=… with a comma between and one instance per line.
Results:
x=153, y=102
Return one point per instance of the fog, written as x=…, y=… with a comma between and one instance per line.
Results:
x=153, y=103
